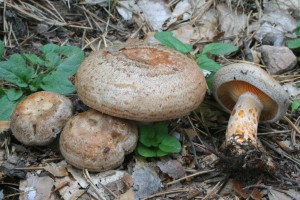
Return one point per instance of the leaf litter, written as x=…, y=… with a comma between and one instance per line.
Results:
x=199, y=170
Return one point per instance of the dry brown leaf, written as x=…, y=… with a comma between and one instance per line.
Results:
x=57, y=171
x=71, y=191
x=206, y=27
x=184, y=33
x=232, y=22
x=173, y=168
x=129, y=195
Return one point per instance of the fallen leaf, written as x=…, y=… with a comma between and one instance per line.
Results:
x=154, y=12
x=129, y=195
x=232, y=22
x=55, y=170
x=173, y=168
x=35, y=187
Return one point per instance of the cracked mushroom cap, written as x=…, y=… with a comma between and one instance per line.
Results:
x=38, y=119
x=233, y=80
x=96, y=141
x=141, y=82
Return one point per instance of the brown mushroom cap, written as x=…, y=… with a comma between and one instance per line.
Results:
x=235, y=79
x=40, y=117
x=96, y=141
x=141, y=82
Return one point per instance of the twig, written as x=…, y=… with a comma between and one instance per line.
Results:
x=291, y=124
x=190, y=176
x=166, y=192
x=88, y=179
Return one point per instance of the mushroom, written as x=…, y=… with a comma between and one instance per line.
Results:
x=38, y=119
x=250, y=94
x=96, y=141
x=141, y=82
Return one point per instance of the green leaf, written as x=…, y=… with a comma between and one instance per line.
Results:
x=208, y=64
x=145, y=151
x=10, y=76
x=295, y=105
x=151, y=135
x=52, y=60
x=147, y=135
x=297, y=84
x=33, y=59
x=66, y=59
x=74, y=55
x=7, y=107
x=50, y=48
x=13, y=94
x=209, y=80
x=293, y=44
x=57, y=82
x=161, y=131
x=35, y=83
x=15, y=71
x=2, y=48
x=170, y=144
x=219, y=48
x=167, y=39
x=297, y=30
x=160, y=153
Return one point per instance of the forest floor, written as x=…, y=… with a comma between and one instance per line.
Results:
x=200, y=170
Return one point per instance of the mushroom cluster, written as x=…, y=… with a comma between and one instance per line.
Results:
x=251, y=95
x=137, y=82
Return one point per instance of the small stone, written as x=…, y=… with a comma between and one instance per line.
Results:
x=277, y=59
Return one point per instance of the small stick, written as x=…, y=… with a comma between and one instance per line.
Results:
x=190, y=176
x=292, y=124
x=166, y=192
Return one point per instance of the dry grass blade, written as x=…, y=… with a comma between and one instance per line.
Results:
x=41, y=14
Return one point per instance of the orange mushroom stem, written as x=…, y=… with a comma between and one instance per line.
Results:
x=241, y=132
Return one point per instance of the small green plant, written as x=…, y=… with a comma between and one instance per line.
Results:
x=204, y=58
x=154, y=141
x=295, y=105
x=294, y=44
x=25, y=73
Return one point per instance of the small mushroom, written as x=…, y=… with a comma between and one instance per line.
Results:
x=141, y=82
x=38, y=119
x=250, y=94
x=96, y=141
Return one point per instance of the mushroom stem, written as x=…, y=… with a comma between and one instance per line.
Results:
x=241, y=134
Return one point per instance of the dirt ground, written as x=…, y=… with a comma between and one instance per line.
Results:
x=201, y=170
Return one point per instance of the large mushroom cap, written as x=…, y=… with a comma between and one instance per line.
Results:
x=141, y=82
x=235, y=79
x=40, y=117
x=97, y=142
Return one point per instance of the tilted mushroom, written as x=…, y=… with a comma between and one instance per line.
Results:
x=250, y=94
x=140, y=82
x=96, y=141
x=40, y=117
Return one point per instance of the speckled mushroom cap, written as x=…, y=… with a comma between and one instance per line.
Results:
x=40, y=117
x=141, y=82
x=96, y=141
x=233, y=80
